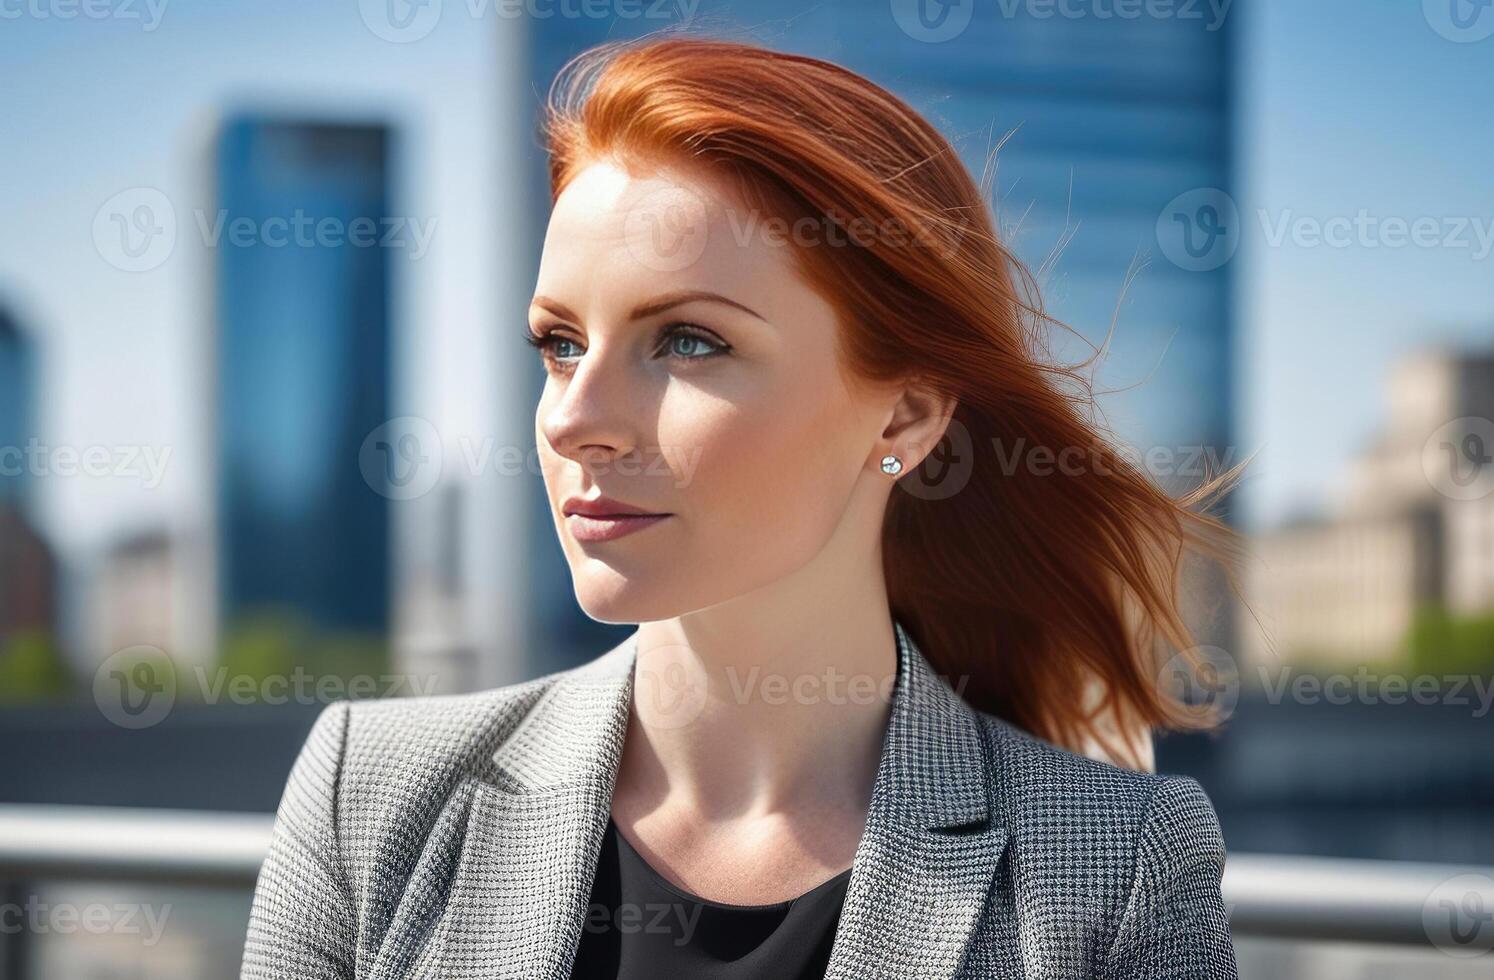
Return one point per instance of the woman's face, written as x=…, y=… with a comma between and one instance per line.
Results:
x=692, y=373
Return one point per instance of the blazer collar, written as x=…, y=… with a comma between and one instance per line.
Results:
x=933, y=753
x=921, y=877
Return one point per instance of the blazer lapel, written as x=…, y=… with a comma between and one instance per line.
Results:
x=919, y=880
x=523, y=881
x=923, y=870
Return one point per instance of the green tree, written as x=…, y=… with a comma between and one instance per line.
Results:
x=32, y=669
x=273, y=643
x=1442, y=642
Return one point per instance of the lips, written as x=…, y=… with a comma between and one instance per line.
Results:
x=605, y=519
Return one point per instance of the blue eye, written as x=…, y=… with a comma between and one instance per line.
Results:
x=683, y=341
x=688, y=345
x=691, y=343
x=547, y=343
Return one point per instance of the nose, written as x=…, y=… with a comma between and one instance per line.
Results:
x=588, y=418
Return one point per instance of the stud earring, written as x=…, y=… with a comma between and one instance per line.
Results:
x=891, y=465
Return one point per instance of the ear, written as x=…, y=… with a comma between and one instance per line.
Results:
x=917, y=423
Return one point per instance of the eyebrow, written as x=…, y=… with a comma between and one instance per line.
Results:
x=653, y=306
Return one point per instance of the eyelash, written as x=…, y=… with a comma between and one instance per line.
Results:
x=546, y=339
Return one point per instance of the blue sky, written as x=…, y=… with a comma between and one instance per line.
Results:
x=1345, y=106
x=1350, y=106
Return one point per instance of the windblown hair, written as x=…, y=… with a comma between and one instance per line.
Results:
x=1051, y=592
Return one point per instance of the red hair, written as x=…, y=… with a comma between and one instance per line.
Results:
x=1028, y=583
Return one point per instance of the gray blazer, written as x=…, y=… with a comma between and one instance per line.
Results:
x=456, y=838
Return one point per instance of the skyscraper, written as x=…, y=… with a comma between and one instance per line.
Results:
x=303, y=372
x=17, y=410
x=28, y=567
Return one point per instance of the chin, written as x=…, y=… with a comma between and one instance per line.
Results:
x=609, y=596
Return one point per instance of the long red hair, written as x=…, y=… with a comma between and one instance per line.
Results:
x=1034, y=584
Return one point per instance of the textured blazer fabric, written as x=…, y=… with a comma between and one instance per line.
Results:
x=456, y=838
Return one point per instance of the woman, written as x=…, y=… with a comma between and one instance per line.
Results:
x=890, y=582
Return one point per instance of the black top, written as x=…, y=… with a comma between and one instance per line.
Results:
x=639, y=926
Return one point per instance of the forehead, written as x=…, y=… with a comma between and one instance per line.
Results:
x=616, y=235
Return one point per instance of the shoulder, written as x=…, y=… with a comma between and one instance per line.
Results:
x=431, y=732
x=1093, y=821
x=376, y=778
x=1108, y=872
x=1029, y=774
x=405, y=752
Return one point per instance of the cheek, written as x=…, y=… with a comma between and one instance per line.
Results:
x=775, y=468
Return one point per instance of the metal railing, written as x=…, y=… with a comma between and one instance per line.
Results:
x=1268, y=896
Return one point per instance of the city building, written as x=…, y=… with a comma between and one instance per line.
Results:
x=1343, y=590
x=28, y=566
x=1411, y=527
x=1470, y=558
x=302, y=366
x=144, y=591
x=1431, y=396
x=28, y=578
x=17, y=409
x=433, y=638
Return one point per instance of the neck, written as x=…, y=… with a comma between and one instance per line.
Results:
x=775, y=702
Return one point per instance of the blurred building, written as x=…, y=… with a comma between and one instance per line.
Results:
x=1344, y=589
x=1426, y=391
x=28, y=568
x=1111, y=120
x=31, y=662
x=17, y=409
x=434, y=636
x=303, y=372
x=28, y=577
x=1401, y=536
x=1470, y=560
x=135, y=601
x=145, y=591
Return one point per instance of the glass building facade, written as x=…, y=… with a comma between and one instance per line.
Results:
x=303, y=372
x=17, y=410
